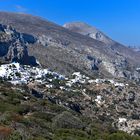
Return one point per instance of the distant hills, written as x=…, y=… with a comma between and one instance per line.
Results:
x=135, y=48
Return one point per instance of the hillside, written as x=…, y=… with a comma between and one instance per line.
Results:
x=66, y=51
x=38, y=104
x=65, y=83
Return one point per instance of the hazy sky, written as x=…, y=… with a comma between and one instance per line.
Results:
x=120, y=19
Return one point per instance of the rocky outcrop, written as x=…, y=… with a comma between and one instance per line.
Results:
x=13, y=46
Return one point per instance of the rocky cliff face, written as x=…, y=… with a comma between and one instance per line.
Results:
x=32, y=38
x=13, y=46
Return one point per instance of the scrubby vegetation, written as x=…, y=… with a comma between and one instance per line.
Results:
x=25, y=117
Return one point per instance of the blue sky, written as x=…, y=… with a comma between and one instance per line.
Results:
x=120, y=19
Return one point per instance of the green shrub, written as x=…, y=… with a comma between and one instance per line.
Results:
x=54, y=107
x=67, y=120
x=70, y=134
x=122, y=136
x=15, y=136
x=45, y=116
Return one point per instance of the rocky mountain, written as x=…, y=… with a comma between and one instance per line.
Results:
x=62, y=84
x=13, y=46
x=65, y=51
x=92, y=32
x=88, y=30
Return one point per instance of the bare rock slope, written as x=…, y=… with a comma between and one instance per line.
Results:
x=85, y=29
x=66, y=51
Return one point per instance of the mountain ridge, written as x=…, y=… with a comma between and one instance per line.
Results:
x=65, y=51
x=87, y=30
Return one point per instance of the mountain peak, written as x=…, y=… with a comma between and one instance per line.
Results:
x=80, y=27
x=85, y=29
